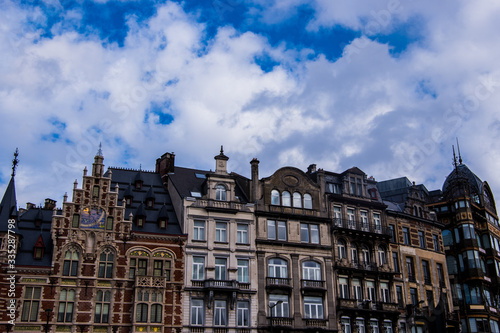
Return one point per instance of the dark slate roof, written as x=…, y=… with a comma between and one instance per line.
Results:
x=30, y=233
x=462, y=172
x=8, y=206
x=394, y=206
x=187, y=180
x=151, y=182
x=394, y=189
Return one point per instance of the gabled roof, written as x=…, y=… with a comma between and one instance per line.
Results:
x=152, y=183
x=355, y=170
x=8, y=206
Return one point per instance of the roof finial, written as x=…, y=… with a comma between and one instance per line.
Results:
x=459, y=156
x=222, y=150
x=15, y=161
x=99, y=152
x=454, y=157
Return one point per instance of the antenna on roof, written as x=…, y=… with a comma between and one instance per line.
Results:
x=459, y=156
x=15, y=161
x=99, y=151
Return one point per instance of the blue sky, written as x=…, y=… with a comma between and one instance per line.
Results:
x=383, y=85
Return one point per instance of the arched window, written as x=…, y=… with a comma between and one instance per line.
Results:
x=156, y=311
x=311, y=270
x=341, y=248
x=141, y=314
x=382, y=258
x=297, y=200
x=275, y=197
x=106, y=260
x=70, y=267
x=415, y=211
x=278, y=268
x=220, y=193
x=285, y=199
x=103, y=302
x=308, y=203
x=420, y=212
x=365, y=252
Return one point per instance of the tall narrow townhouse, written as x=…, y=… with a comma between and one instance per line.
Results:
x=417, y=256
x=220, y=293
x=294, y=253
x=111, y=260
x=471, y=238
x=363, y=277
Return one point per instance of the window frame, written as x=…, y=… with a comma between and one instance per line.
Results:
x=277, y=230
x=198, y=269
x=67, y=302
x=313, y=307
x=31, y=304
x=242, y=233
x=220, y=192
x=199, y=230
x=196, y=311
x=102, y=306
x=242, y=314
x=71, y=262
x=106, y=265
x=309, y=233
x=221, y=232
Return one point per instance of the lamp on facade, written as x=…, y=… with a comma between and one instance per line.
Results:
x=271, y=307
x=47, y=314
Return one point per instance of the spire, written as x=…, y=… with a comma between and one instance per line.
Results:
x=99, y=151
x=454, y=157
x=8, y=205
x=15, y=161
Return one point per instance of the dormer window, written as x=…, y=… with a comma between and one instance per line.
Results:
x=220, y=193
x=138, y=184
x=162, y=223
x=150, y=203
x=128, y=200
x=373, y=193
x=140, y=221
x=38, y=249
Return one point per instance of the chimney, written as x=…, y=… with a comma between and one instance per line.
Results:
x=165, y=164
x=49, y=204
x=311, y=168
x=254, y=195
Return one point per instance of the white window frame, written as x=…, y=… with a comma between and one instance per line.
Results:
x=311, y=270
x=197, y=312
x=385, y=296
x=313, y=307
x=199, y=230
x=220, y=313
x=343, y=288
x=277, y=268
x=221, y=269
x=242, y=233
x=198, y=268
x=308, y=201
x=221, y=232
x=220, y=193
x=297, y=200
x=242, y=313
x=243, y=270
x=286, y=199
x=281, y=310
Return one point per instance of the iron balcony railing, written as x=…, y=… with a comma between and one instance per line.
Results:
x=361, y=226
x=278, y=282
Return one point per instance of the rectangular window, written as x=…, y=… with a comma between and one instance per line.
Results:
x=426, y=272
x=337, y=215
x=435, y=241
x=343, y=288
x=377, y=222
x=31, y=303
x=399, y=296
x=197, y=312
x=406, y=236
x=345, y=324
x=439, y=268
x=356, y=289
x=313, y=307
x=109, y=223
x=221, y=232
x=421, y=239
x=199, y=230
x=220, y=313
x=395, y=262
x=102, y=306
x=414, y=296
x=66, y=303
x=276, y=230
x=279, y=305
x=392, y=232
x=242, y=233
x=220, y=268
x=158, y=268
x=309, y=233
x=353, y=186
x=198, y=268
x=410, y=269
x=364, y=220
x=243, y=314
x=384, y=292
x=370, y=288
x=351, y=219
x=243, y=274
x=76, y=221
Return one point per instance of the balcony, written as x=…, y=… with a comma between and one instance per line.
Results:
x=355, y=304
x=360, y=265
x=361, y=226
x=150, y=281
x=281, y=321
x=226, y=206
x=275, y=282
x=312, y=285
x=222, y=285
x=293, y=210
x=316, y=323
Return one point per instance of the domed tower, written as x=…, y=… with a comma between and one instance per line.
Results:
x=471, y=238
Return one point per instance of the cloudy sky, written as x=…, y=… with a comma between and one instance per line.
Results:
x=384, y=85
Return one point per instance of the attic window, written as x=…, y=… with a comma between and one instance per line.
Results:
x=140, y=221
x=220, y=193
x=38, y=249
x=138, y=184
x=373, y=193
x=128, y=200
x=150, y=203
x=195, y=194
x=162, y=223
x=200, y=175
